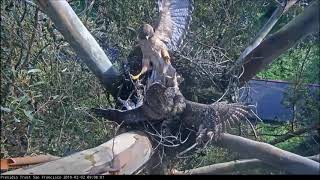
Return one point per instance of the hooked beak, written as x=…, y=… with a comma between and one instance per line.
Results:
x=147, y=37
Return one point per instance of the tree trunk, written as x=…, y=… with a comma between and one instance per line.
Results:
x=82, y=42
x=271, y=48
x=124, y=154
x=264, y=31
x=290, y=162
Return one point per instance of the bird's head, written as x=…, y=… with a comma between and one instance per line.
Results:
x=145, y=32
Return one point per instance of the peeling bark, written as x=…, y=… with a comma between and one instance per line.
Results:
x=124, y=154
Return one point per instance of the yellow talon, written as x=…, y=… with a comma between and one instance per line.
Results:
x=134, y=77
x=166, y=59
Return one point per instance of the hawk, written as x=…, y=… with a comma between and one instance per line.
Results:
x=173, y=24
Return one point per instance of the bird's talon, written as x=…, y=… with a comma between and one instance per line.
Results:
x=134, y=77
x=167, y=59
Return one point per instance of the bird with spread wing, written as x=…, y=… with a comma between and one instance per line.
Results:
x=173, y=23
x=161, y=102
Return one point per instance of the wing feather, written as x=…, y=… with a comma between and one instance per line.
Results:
x=174, y=21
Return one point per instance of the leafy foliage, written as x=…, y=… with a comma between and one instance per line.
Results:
x=299, y=64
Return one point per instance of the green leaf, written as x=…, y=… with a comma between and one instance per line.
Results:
x=34, y=71
x=29, y=115
x=16, y=120
x=55, y=97
x=38, y=83
x=24, y=99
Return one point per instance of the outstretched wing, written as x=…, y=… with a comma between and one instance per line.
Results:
x=231, y=114
x=174, y=21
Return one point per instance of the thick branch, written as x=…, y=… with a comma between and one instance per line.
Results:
x=315, y=157
x=80, y=39
x=228, y=167
x=123, y=154
x=222, y=168
x=271, y=48
x=292, y=163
